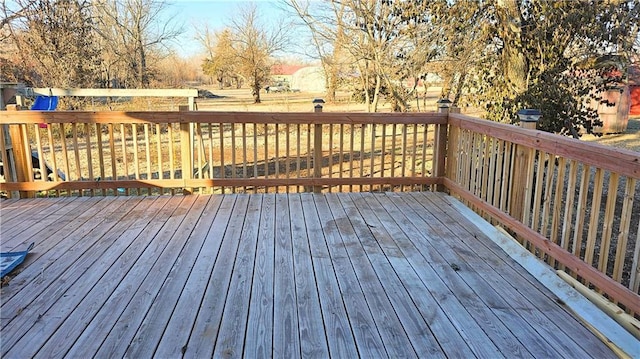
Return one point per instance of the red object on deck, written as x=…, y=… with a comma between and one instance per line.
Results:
x=634, y=90
x=635, y=100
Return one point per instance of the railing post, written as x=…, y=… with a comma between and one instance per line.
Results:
x=21, y=155
x=440, y=146
x=518, y=182
x=317, y=146
x=521, y=167
x=186, y=150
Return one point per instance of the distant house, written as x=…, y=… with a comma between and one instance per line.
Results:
x=282, y=74
x=298, y=77
x=309, y=79
x=617, y=102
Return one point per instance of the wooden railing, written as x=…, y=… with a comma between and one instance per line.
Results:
x=574, y=205
x=158, y=152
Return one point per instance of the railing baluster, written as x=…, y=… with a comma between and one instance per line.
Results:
x=172, y=168
x=234, y=161
x=287, y=162
x=362, y=136
x=65, y=158
x=608, y=224
x=255, y=155
x=569, y=205
x=351, y=152
x=76, y=153
x=583, y=192
x=136, y=160
x=634, y=272
x=112, y=156
x=330, y=156
x=506, y=176
x=266, y=155
x=244, y=154
x=546, y=200
x=341, y=156
x=147, y=147
x=592, y=234
x=557, y=202
x=101, y=154
x=298, y=148
x=413, y=154
x=210, y=157
x=317, y=156
x=223, y=169
x=276, y=160
x=125, y=160
x=625, y=223
x=159, y=147
x=4, y=155
x=88, y=148
x=372, y=164
x=498, y=161
x=383, y=150
x=452, y=159
x=404, y=154
x=486, y=163
x=41, y=160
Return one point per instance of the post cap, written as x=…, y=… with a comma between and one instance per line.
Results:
x=529, y=115
x=444, y=103
x=318, y=101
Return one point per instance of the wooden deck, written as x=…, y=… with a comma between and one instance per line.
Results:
x=300, y=275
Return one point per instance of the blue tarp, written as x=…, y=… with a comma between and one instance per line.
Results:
x=10, y=260
x=45, y=103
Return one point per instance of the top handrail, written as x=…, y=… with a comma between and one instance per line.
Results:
x=35, y=117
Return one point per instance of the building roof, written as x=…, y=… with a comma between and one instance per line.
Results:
x=282, y=69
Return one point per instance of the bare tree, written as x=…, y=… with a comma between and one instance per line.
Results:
x=387, y=42
x=462, y=24
x=326, y=37
x=55, y=40
x=15, y=10
x=254, y=44
x=132, y=30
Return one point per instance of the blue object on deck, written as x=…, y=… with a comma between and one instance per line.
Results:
x=10, y=260
x=45, y=103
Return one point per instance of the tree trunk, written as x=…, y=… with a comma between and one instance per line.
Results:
x=515, y=65
x=459, y=86
x=424, y=98
x=376, y=93
x=364, y=80
x=142, y=65
x=255, y=91
x=332, y=84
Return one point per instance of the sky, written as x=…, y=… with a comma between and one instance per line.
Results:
x=215, y=13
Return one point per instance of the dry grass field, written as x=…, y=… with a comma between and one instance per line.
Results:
x=240, y=100
x=630, y=139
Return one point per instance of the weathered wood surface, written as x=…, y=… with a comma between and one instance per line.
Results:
x=274, y=275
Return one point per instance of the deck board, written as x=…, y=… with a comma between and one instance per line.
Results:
x=367, y=339
x=313, y=343
x=274, y=275
x=547, y=319
x=259, y=338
